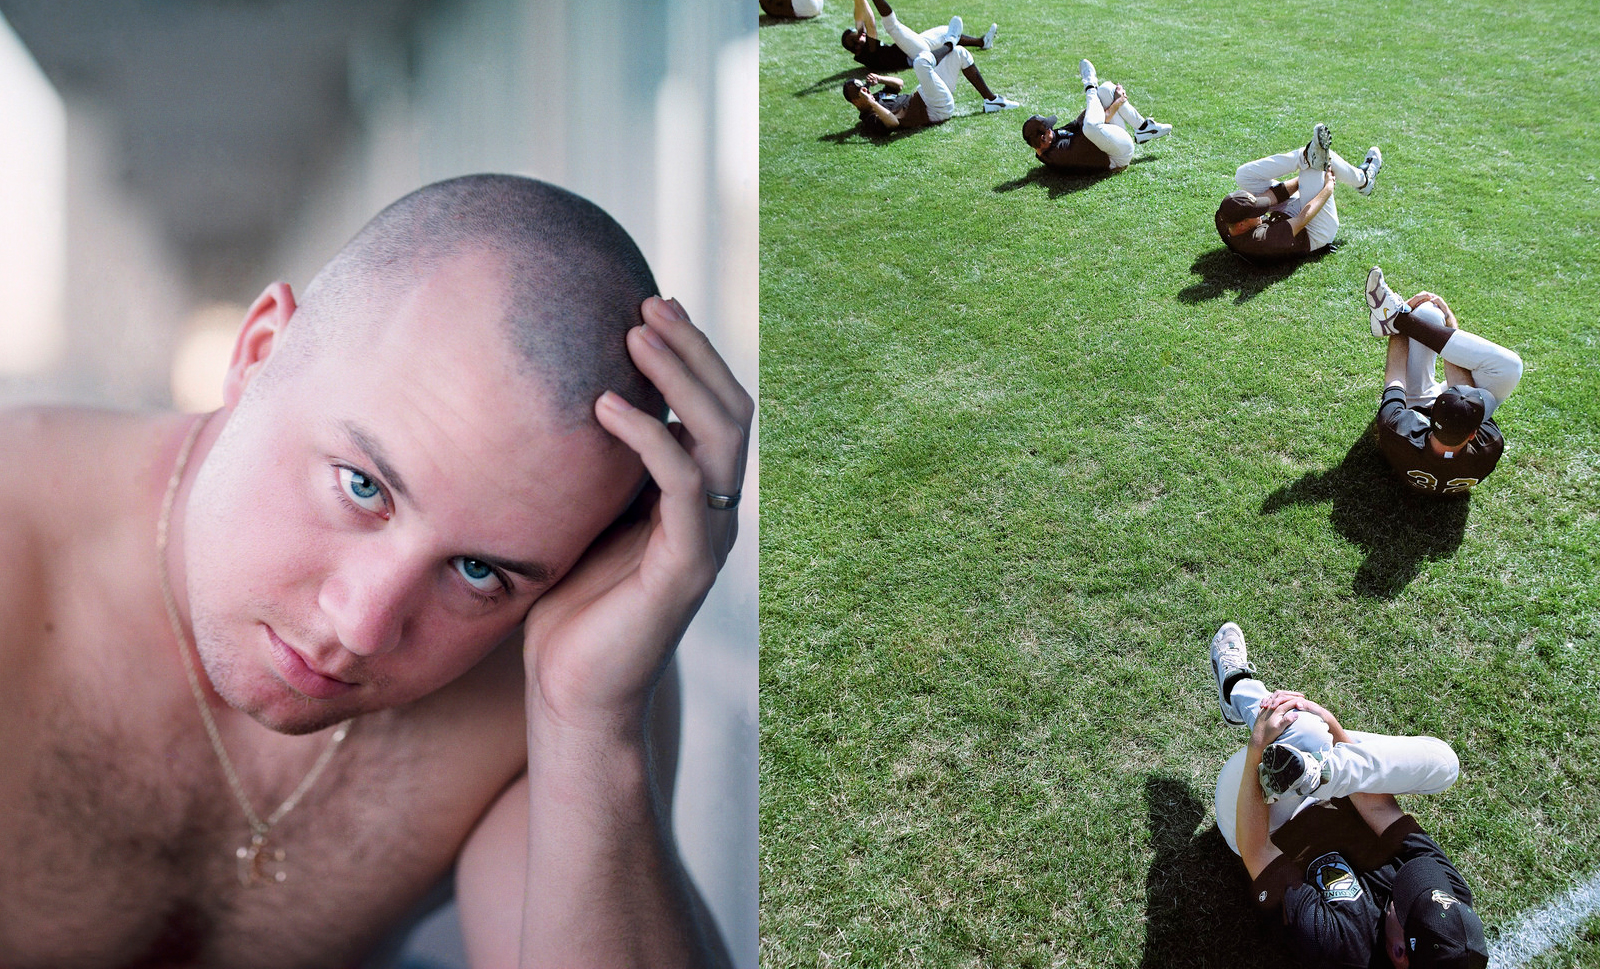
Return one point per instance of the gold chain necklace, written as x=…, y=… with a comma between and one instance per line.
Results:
x=260, y=851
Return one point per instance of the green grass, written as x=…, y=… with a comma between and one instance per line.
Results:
x=1027, y=439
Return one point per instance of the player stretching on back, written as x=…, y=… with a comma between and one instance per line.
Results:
x=1268, y=219
x=1439, y=437
x=1096, y=140
x=1309, y=807
x=863, y=44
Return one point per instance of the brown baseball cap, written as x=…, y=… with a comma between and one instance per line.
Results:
x=1241, y=205
x=1457, y=412
x=1036, y=126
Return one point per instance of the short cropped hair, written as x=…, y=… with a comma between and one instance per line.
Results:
x=574, y=279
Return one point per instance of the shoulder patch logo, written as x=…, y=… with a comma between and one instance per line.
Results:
x=1334, y=877
x=1444, y=899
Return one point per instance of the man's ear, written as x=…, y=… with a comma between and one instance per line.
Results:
x=261, y=333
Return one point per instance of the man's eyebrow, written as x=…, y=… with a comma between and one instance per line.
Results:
x=532, y=571
x=374, y=453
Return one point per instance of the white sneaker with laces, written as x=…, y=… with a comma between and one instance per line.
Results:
x=956, y=28
x=988, y=36
x=1150, y=129
x=1229, y=660
x=999, y=103
x=1086, y=71
x=1383, y=303
x=1370, y=165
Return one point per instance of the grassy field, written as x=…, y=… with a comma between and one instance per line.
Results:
x=1029, y=438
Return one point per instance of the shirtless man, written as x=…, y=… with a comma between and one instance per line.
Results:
x=430, y=593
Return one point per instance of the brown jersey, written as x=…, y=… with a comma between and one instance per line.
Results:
x=1273, y=238
x=1072, y=150
x=877, y=56
x=1403, y=437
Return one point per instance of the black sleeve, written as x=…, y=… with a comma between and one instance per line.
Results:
x=1391, y=408
x=1269, y=888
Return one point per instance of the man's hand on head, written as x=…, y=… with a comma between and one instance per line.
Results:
x=596, y=643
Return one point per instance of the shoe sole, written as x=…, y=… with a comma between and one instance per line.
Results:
x=1093, y=78
x=1281, y=757
x=1321, y=140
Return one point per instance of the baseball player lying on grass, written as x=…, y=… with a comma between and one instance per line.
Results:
x=863, y=44
x=1269, y=219
x=1309, y=807
x=1097, y=140
x=1438, y=436
x=933, y=100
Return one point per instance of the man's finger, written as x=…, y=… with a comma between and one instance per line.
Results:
x=669, y=320
x=718, y=437
x=682, y=506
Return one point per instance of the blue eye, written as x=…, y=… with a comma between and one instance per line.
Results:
x=363, y=490
x=480, y=575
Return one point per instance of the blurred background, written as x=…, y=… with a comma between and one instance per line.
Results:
x=162, y=162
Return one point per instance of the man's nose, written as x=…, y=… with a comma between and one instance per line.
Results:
x=367, y=600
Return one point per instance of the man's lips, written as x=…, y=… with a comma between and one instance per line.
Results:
x=299, y=674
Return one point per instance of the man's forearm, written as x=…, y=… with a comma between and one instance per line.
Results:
x=1314, y=206
x=1252, y=817
x=604, y=886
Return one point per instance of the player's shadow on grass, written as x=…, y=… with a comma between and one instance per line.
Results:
x=834, y=83
x=1222, y=270
x=1058, y=182
x=1397, y=528
x=871, y=132
x=1197, y=905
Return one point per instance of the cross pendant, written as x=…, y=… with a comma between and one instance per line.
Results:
x=254, y=860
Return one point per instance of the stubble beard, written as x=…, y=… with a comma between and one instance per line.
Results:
x=220, y=663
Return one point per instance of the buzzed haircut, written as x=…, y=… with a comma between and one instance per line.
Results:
x=574, y=279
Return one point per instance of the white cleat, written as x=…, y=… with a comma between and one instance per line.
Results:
x=1150, y=129
x=1370, y=165
x=988, y=36
x=1383, y=303
x=1289, y=770
x=1317, y=147
x=956, y=28
x=999, y=103
x=1086, y=71
x=1229, y=661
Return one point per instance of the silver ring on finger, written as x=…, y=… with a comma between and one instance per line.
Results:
x=722, y=502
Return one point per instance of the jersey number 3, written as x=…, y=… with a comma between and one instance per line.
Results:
x=1428, y=482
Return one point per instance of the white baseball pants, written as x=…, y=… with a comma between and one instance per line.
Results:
x=914, y=43
x=1494, y=368
x=1370, y=763
x=1256, y=177
x=937, y=81
x=1105, y=133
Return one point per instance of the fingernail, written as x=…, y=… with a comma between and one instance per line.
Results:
x=676, y=309
x=651, y=337
x=615, y=401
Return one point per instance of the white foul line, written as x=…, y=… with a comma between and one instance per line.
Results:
x=1546, y=927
